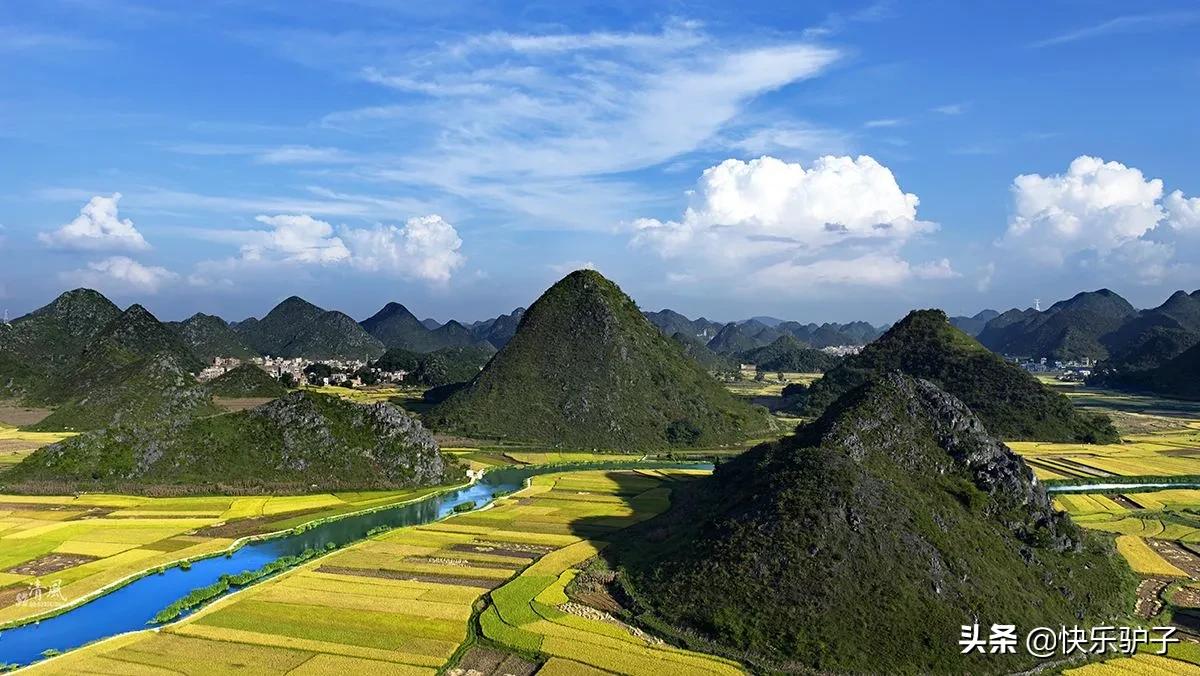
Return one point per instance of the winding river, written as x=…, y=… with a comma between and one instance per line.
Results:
x=130, y=608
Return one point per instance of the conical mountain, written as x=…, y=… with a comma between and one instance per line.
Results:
x=297, y=328
x=500, y=330
x=396, y=327
x=587, y=370
x=1156, y=335
x=209, y=337
x=37, y=346
x=1010, y=402
x=893, y=520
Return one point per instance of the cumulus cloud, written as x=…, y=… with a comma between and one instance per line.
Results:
x=1103, y=211
x=426, y=247
x=122, y=274
x=98, y=227
x=840, y=221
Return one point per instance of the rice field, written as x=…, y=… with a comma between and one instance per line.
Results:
x=86, y=543
x=1138, y=665
x=402, y=602
x=15, y=444
x=367, y=395
x=1174, y=452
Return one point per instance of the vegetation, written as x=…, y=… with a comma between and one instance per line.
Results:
x=1069, y=329
x=500, y=330
x=1178, y=377
x=788, y=354
x=303, y=441
x=246, y=380
x=397, y=328
x=891, y=521
x=439, y=367
x=1011, y=403
x=974, y=324
x=209, y=337
x=297, y=328
x=699, y=352
x=587, y=370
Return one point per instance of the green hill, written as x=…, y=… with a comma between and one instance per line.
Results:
x=865, y=542
x=396, y=327
x=587, y=370
x=300, y=442
x=246, y=380
x=1177, y=378
x=297, y=328
x=151, y=392
x=1009, y=401
x=38, y=346
x=974, y=324
x=500, y=330
x=440, y=367
x=735, y=338
x=1069, y=329
x=707, y=359
x=788, y=354
x=210, y=337
x=1156, y=335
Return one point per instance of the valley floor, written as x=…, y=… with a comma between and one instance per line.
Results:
x=413, y=600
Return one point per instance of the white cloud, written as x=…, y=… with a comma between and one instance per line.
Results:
x=1101, y=212
x=950, y=109
x=571, y=266
x=299, y=239
x=986, y=274
x=97, y=228
x=1183, y=213
x=121, y=274
x=1134, y=23
x=842, y=221
x=425, y=248
x=883, y=123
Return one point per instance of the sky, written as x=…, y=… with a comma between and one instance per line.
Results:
x=816, y=161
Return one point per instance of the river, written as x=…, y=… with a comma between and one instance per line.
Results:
x=130, y=608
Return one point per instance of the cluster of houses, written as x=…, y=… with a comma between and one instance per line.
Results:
x=842, y=350
x=342, y=372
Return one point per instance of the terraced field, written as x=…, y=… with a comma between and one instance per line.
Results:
x=78, y=545
x=1167, y=453
x=411, y=600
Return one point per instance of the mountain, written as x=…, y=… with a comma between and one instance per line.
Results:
x=973, y=325
x=37, y=346
x=1069, y=329
x=1009, y=401
x=587, y=370
x=430, y=323
x=699, y=352
x=1178, y=378
x=671, y=322
x=830, y=334
x=766, y=320
x=246, y=380
x=1156, y=335
x=440, y=367
x=894, y=520
x=302, y=441
x=149, y=393
x=297, y=328
x=454, y=334
x=734, y=338
x=395, y=326
x=788, y=354
x=209, y=337
x=500, y=330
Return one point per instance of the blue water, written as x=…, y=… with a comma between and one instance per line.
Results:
x=131, y=607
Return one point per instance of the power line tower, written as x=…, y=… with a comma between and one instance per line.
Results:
x=1037, y=304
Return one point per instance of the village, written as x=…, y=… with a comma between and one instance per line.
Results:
x=293, y=371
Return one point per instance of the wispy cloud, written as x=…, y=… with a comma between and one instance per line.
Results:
x=950, y=109
x=284, y=154
x=1133, y=23
x=883, y=123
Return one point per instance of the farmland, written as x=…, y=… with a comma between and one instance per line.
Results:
x=15, y=444
x=414, y=599
x=79, y=545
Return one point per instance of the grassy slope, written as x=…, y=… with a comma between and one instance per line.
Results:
x=1011, y=403
x=587, y=370
x=246, y=380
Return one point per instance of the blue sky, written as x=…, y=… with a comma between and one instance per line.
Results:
x=822, y=162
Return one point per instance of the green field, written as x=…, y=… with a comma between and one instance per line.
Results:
x=403, y=601
x=86, y=543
